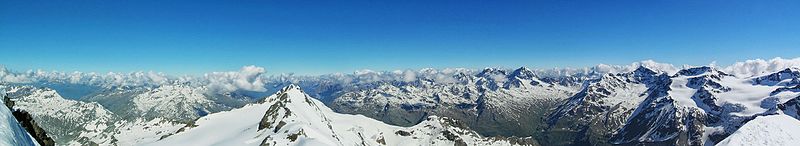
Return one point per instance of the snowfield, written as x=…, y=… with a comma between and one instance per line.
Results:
x=774, y=130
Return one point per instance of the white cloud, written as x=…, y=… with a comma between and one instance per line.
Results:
x=662, y=67
x=757, y=67
x=252, y=78
x=248, y=78
x=653, y=65
x=363, y=72
x=8, y=76
x=445, y=79
x=498, y=77
x=409, y=76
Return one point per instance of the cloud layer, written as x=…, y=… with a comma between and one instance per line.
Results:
x=252, y=78
x=757, y=67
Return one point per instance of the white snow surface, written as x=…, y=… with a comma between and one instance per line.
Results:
x=311, y=123
x=11, y=133
x=774, y=130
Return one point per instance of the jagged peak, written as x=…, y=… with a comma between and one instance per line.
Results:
x=523, y=72
x=641, y=74
x=701, y=70
x=290, y=98
x=290, y=87
x=644, y=70
x=491, y=71
x=292, y=94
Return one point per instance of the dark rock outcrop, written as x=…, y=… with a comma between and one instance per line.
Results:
x=26, y=120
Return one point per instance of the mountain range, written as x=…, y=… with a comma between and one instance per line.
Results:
x=642, y=105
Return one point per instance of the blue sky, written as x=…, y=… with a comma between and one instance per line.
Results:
x=317, y=37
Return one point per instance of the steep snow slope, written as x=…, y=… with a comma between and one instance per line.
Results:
x=291, y=117
x=773, y=130
x=11, y=133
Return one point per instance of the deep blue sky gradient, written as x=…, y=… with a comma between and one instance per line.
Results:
x=317, y=37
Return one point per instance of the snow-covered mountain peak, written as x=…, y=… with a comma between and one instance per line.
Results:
x=643, y=70
x=290, y=88
x=523, y=73
x=703, y=70
x=489, y=72
x=291, y=94
x=642, y=74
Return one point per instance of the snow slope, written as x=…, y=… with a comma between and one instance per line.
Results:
x=291, y=117
x=774, y=130
x=11, y=133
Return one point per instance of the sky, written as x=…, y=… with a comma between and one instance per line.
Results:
x=319, y=37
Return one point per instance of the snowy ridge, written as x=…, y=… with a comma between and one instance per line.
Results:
x=11, y=133
x=291, y=117
x=773, y=130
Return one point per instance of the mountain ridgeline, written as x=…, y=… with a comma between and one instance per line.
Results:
x=692, y=106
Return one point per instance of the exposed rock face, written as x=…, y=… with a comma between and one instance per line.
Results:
x=30, y=125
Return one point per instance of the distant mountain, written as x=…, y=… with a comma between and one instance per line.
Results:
x=693, y=106
x=602, y=106
x=493, y=101
x=640, y=106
